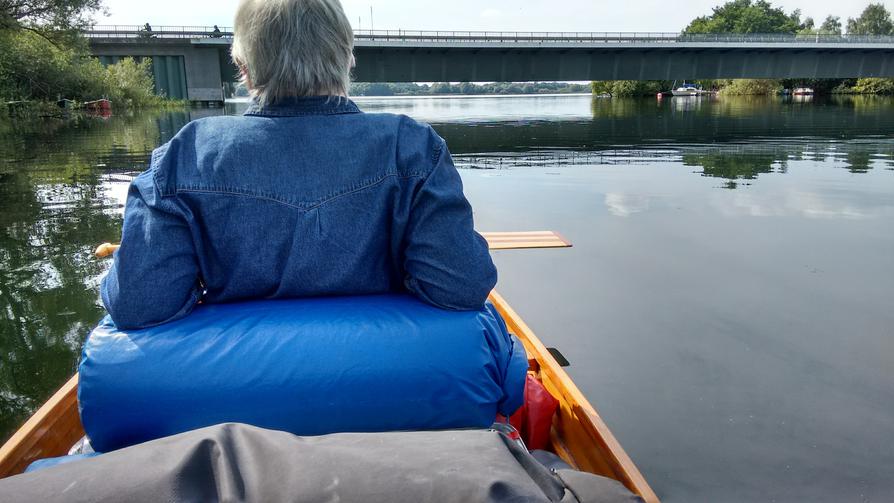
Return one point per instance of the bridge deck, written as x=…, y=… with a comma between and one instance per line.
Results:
x=453, y=56
x=499, y=38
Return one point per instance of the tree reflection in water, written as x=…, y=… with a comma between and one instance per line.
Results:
x=732, y=138
x=55, y=206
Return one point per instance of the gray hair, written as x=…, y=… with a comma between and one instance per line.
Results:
x=293, y=48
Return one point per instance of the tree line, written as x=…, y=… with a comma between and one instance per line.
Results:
x=43, y=57
x=464, y=88
x=759, y=16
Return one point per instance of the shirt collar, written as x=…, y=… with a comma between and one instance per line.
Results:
x=303, y=105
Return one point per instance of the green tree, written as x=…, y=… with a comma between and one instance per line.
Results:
x=751, y=87
x=55, y=20
x=467, y=88
x=128, y=82
x=808, y=26
x=874, y=86
x=874, y=20
x=630, y=88
x=371, y=89
x=441, y=88
x=32, y=68
x=831, y=26
x=747, y=16
x=43, y=57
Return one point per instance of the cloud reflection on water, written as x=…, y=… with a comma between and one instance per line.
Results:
x=624, y=205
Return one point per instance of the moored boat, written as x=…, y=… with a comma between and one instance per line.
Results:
x=686, y=90
x=802, y=91
x=578, y=435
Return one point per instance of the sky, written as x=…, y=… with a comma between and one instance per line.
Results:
x=488, y=15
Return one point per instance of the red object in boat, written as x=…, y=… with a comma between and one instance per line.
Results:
x=535, y=417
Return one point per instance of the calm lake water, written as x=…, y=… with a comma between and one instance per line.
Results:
x=728, y=306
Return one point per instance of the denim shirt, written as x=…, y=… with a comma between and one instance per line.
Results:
x=307, y=197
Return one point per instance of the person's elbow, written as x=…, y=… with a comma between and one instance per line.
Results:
x=459, y=292
x=143, y=310
x=125, y=315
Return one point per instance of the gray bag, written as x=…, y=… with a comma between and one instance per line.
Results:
x=236, y=462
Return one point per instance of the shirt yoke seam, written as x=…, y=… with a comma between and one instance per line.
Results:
x=304, y=206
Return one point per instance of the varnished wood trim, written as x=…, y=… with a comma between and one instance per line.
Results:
x=50, y=432
x=586, y=437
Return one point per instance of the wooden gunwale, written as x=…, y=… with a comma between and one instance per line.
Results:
x=50, y=432
x=579, y=435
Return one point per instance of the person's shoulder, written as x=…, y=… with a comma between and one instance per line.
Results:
x=217, y=124
x=405, y=126
x=177, y=158
x=417, y=144
x=417, y=130
x=205, y=125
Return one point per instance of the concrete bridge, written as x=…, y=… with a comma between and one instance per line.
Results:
x=193, y=62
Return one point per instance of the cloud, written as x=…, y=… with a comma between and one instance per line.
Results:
x=491, y=13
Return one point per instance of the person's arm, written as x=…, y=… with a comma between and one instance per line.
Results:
x=154, y=277
x=447, y=263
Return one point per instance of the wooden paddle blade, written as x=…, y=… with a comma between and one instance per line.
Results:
x=518, y=240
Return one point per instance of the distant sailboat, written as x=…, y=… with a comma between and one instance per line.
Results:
x=686, y=90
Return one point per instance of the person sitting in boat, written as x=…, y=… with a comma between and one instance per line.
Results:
x=303, y=195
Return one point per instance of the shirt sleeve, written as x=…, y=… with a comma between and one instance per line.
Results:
x=447, y=263
x=154, y=276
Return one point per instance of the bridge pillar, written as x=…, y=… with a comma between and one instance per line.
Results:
x=177, y=64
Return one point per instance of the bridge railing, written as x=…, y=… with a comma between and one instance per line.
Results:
x=137, y=31
x=510, y=36
x=192, y=32
x=607, y=37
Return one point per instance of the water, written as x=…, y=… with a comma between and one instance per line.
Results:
x=726, y=306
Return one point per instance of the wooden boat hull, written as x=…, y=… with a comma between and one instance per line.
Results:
x=579, y=436
x=50, y=432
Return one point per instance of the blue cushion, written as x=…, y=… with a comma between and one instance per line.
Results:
x=40, y=464
x=307, y=366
